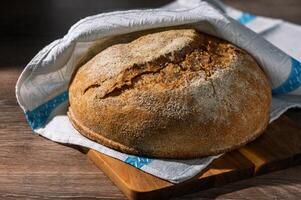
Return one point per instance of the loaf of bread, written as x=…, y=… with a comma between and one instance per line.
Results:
x=172, y=94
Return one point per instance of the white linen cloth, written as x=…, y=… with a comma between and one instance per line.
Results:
x=42, y=88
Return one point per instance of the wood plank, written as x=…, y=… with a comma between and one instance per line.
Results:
x=278, y=148
x=283, y=184
x=136, y=184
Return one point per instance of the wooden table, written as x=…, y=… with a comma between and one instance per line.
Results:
x=32, y=167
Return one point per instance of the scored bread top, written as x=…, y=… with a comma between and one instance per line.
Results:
x=180, y=50
x=173, y=93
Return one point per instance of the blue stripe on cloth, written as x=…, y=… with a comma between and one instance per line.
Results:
x=137, y=162
x=246, y=18
x=38, y=116
x=292, y=82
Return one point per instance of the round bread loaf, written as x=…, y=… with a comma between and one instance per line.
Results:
x=171, y=94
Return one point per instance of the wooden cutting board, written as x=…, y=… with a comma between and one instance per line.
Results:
x=278, y=148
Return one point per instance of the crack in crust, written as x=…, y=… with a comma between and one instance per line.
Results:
x=200, y=56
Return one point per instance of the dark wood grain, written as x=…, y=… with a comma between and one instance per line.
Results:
x=35, y=168
x=32, y=167
x=284, y=184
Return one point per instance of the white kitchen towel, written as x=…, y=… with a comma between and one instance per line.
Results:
x=42, y=88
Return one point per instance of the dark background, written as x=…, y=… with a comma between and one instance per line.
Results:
x=27, y=26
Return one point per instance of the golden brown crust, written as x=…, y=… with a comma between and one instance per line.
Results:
x=172, y=94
